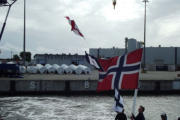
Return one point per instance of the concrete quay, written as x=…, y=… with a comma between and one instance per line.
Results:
x=155, y=82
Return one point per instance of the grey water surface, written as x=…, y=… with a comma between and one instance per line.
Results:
x=84, y=107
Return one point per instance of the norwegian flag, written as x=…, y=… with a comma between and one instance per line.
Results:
x=74, y=27
x=120, y=72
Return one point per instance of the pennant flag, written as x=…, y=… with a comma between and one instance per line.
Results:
x=119, y=102
x=114, y=4
x=93, y=61
x=74, y=27
x=120, y=72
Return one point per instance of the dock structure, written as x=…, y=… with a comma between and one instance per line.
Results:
x=151, y=81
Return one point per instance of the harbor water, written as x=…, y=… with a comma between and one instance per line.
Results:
x=84, y=107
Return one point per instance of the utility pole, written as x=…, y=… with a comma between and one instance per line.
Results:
x=144, y=66
x=11, y=54
x=24, y=43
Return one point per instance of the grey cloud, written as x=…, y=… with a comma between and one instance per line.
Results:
x=162, y=8
x=48, y=30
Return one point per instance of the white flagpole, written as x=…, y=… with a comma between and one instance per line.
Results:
x=134, y=101
x=135, y=96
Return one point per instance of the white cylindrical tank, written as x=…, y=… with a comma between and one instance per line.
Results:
x=60, y=70
x=83, y=69
x=29, y=69
x=73, y=68
x=64, y=66
x=79, y=70
x=32, y=69
x=87, y=70
x=50, y=68
x=55, y=66
x=132, y=44
x=47, y=65
x=66, y=69
x=22, y=69
x=41, y=69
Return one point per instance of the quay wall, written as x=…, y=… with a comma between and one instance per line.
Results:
x=14, y=87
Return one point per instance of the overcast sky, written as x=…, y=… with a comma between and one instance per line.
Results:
x=48, y=31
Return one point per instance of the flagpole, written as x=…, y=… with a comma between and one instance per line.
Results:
x=135, y=95
x=134, y=101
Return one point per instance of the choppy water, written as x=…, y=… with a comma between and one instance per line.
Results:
x=84, y=107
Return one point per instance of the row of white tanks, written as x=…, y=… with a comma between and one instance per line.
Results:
x=63, y=69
